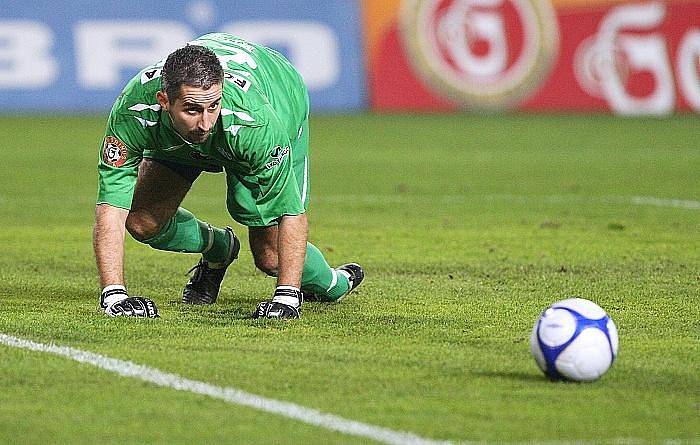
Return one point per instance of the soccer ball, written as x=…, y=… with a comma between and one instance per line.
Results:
x=574, y=339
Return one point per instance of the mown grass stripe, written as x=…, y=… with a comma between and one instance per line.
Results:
x=228, y=394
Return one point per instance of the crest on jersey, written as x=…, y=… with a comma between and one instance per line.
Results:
x=114, y=152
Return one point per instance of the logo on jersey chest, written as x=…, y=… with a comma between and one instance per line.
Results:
x=114, y=152
x=277, y=154
x=199, y=156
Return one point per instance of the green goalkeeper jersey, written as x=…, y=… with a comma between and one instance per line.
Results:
x=263, y=108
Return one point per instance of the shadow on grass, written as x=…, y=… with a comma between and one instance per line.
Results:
x=212, y=314
x=517, y=376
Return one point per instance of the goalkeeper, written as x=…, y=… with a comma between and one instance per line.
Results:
x=218, y=104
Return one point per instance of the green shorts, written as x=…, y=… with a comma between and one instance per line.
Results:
x=241, y=201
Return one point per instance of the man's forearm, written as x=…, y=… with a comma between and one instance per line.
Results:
x=108, y=243
x=292, y=235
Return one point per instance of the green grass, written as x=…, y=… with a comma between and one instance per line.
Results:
x=467, y=227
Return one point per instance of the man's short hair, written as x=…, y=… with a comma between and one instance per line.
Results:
x=192, y=65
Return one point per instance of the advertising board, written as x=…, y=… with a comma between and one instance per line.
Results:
x=629, y=58
x=66, y=56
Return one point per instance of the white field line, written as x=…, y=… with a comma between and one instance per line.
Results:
x=285, y=409
x=659, y=202
x=550, y=199
x=228, y=394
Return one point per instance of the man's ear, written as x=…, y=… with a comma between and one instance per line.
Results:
x=162, y=97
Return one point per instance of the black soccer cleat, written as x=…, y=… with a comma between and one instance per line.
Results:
x=355, y=276
x=204, y=285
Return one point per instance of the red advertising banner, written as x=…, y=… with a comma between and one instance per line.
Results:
x=630, y=58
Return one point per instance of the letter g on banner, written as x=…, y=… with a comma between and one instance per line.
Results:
x=481, y=54
x=609, y=63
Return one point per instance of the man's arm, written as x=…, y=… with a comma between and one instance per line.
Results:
x=108, y=243
x=272, y=167
x=291, y=252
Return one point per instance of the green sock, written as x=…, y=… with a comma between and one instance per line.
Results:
x=220, y=248
x=320, y=279
x=185, y=233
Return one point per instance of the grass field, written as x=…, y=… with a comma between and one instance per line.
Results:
x=468, y=227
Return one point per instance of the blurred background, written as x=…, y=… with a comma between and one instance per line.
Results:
x=602, y=56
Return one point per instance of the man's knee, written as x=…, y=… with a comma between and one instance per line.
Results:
x=263, y=245
x=142, y=225
x=266, y=262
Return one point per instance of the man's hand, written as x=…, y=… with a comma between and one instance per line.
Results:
x=117, y=303
x=285, y=304
x=133, y=307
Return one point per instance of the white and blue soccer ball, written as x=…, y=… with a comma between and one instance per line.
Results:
x=574, y=339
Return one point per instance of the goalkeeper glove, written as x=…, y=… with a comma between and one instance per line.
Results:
x=116, y=303
x=284, y=304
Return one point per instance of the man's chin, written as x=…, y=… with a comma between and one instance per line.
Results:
x=198, y=139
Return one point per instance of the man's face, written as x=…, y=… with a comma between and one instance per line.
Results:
x=195, y=112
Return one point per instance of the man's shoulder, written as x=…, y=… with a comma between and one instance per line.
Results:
x=227, y=44
x=239, y=55
x=139, y=94
x=242, y=105
x=137, y=105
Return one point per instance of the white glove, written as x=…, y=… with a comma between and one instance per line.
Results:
x=116, y=303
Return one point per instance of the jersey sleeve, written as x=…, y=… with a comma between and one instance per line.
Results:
x=266, y=151
x=121, y=154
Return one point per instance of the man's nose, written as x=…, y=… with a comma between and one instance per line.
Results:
x=205, y=123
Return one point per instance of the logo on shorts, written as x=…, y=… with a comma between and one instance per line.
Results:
x=277, y=154
x=114, y=152
x=484, y=54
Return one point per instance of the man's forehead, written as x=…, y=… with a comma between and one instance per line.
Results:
x=199, y=95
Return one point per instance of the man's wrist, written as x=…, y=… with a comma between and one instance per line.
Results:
x=289, y=295
x=111, y=294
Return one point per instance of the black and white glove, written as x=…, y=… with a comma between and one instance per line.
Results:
x=285, y=304
x=117, y=303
